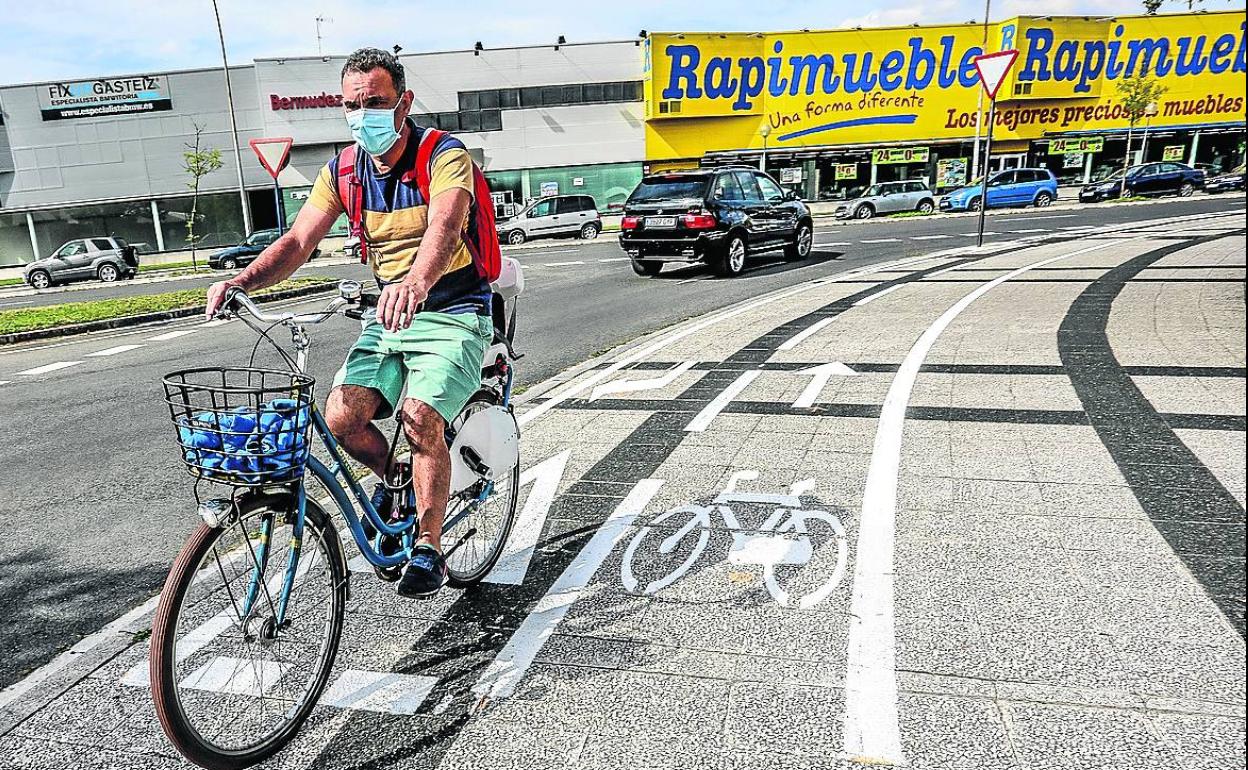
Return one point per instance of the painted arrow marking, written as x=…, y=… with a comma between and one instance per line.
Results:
x=819, y=379
x=632, y=386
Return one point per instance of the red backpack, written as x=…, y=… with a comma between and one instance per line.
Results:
x=480, y=236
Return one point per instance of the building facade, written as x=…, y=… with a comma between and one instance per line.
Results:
x=835, y=110
x=831, y=111
x=106, y=156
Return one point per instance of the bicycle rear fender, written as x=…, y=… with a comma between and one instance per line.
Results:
x=492, y=436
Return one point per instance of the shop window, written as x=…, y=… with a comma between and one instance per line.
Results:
x=15, y=240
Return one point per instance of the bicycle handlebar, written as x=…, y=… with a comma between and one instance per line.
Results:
x=237, y=300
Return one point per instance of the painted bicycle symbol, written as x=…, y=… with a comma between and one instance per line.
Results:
x=783, y=539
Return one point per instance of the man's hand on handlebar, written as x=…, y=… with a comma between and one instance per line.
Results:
x=399, y=303
x=216, y=296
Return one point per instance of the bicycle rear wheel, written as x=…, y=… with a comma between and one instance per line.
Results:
x=487, y=524
x=231, y=686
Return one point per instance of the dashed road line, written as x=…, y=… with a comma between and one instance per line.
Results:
x=50, y=367
x=616, y=259
x=171, y=335
x=878, y=294
x=5, y=382
x=976, y=235
x=929, y=237
x=114, y=351
x=703, y=419
x=1049, y=216
x=562, y=264
x=881, y=240
x=511, y=663
x=1031, y=230
x=801, y=336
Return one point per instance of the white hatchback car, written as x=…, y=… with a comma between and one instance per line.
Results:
x=889, y=198
x=557, y=215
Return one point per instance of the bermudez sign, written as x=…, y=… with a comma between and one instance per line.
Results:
x=101, y=98
x=312, y=102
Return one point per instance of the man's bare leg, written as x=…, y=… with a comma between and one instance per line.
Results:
x=349, y=413
x=431, y=467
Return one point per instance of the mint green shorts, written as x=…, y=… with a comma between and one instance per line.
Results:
x=436, y=360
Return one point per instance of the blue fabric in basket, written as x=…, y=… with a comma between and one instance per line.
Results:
x=250, y=445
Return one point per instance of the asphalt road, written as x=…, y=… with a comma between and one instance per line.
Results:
x=95, y=503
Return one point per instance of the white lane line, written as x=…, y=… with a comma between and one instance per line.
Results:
x=50, y=367
x=833, y=243
x=513, y=565
x=881, y=240
x=214, y=324
x=508, y=667
x=1031, y=230
x=5, y=382
x=929, y=237
x=616, y=259
x=171, y=335
x=703, y=419
x=976, y=235
x=379, y=692
x=200, y=637
x=872, y=730
x=1073, y=228
x=873, y=297
x=17, y=302
x=114, y=351
x=804, y=334
x=563, y=264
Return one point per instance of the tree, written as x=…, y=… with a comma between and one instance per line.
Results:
x=1136, y=92
x=1151, y=7
x=198, y=163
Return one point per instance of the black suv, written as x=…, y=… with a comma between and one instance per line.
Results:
x=718, y=216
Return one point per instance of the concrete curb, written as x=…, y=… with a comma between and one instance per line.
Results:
x=105, y=324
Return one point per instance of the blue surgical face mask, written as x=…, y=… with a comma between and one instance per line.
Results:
x=373, y=129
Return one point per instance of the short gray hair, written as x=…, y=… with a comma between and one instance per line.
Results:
x=366, y=60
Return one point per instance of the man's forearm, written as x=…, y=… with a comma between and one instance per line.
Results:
x=437, y=247
x=277, y=263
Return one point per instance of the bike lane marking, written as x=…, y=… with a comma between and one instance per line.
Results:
x=872, y=724
x=171, y=335
x=804, y=334
x=633, y=386
x=513, y=564
x=510, y=664
x=872, y=298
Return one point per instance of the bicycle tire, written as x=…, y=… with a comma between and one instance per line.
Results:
x=476, y=571
x=163, y=665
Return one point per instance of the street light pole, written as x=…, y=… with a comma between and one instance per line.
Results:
x=229, y=98
x=979, y=104
x=766, y=132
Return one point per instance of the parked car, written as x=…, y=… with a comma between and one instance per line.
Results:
x=234, y=257
x=718, y=216
x=1231, y=180
x=1146, y=179
x=889, y=198
x=1011, y=187
x=555, y=215
x=107, y=259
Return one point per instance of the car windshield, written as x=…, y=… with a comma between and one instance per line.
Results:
x=1115, y=176
x=662, y=188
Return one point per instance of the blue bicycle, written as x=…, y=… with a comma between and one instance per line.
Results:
x=250, y=618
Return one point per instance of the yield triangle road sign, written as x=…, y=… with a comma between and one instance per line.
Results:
x=992, y=69
x=273, y=152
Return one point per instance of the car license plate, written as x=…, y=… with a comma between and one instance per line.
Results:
x=660, y=221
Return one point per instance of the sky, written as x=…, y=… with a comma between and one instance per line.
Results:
x=61, y=40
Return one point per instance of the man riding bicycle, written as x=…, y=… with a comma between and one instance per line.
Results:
x=421, y=356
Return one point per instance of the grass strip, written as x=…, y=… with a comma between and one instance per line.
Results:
x=52, y=316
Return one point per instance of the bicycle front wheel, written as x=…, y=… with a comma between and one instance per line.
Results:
x=232, y=684
x=480, y=537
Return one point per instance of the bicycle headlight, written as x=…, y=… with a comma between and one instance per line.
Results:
x=350, y=290
x=216, y=512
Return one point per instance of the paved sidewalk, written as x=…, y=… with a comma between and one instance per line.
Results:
x=973, y=510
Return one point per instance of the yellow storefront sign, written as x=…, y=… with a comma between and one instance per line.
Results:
x=1068, y=146
x=709, y=92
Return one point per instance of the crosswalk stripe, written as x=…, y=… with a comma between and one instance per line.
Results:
x=51, y=367
x=114, y=351
x=235, y=676
x=379, y=692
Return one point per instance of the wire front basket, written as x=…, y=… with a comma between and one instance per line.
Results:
x=244, y=427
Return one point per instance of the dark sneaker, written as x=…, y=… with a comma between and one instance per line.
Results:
x=424, y=574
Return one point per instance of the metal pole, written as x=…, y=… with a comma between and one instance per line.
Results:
x=979, y=103
x=277, y=204
x=983, y=188
x=229, y=98
x=762, y=162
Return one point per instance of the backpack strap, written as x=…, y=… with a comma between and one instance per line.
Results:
x=424, y=160
x=351, y=196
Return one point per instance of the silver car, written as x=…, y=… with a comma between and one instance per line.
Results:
x=105, y=259
x=889, y=198
x=557, y=215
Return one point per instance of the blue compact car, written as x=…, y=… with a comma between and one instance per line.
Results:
x=1012, y=187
